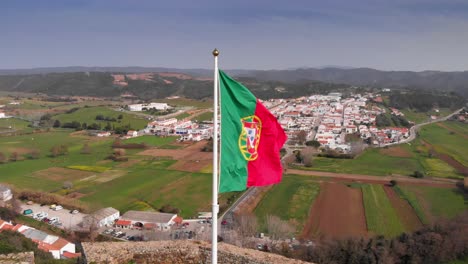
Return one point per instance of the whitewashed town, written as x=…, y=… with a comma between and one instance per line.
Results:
x=325, y=118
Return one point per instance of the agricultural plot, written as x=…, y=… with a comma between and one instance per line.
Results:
x=13, y=124
x=153, y=141
x=437, y=202
x=337, y=212
x=381, y=217
x=447, y=142
x=370, y=162
x=31, y=172
x=207, y=116
x=290, y=200
x=88, y=115
x=149, y=188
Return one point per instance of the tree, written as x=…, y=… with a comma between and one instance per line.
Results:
x=14, y=156
x=57, y=123
x=308, y=162
x=246, y=224
x=67, y=185
x=120, y=116
x=301, y=137
x=313, y=143
x=34, y=154
x=3, y=159
x=86, y=149
x=277, y=228
x=108, y=126
x=418, y=174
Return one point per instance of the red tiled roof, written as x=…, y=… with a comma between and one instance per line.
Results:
x=178, y=220
x=60, y=243
x=123, y=222
x=149, y=225
x=70, y=255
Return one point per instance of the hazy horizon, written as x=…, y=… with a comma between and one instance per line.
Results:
x=398, y=35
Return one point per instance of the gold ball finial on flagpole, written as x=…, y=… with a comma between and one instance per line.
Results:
x=215, y=52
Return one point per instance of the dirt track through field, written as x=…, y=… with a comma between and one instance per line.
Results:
x=441, y=182
x=337, y=212
x=404, y=210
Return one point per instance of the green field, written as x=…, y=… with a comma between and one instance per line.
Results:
x=143, y=184
x=371, y=162
x=182, y=116
x=290, y=200
x=88, y=115
x=152, y=140
x=421, y=117
x=380, y=161
x=187, y=102
x=149, y=186
x=411, y=198
x=381, y=217
x=7, y=124
x=436, y=202
x=21, y=173
x=207, y=116
x=447, y=142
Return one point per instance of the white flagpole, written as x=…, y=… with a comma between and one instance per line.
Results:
x=215, y=206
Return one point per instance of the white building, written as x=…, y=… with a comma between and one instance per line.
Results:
x=141, y=107
x=141, y=218
x=57, y=246
x=2, y=115
x=103, y=217
x=5, y=193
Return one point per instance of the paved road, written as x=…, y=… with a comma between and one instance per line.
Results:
x=414, y=129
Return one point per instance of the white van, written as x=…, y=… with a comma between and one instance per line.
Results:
x=58, y=207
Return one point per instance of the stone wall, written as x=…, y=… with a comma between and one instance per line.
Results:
x=176, y=252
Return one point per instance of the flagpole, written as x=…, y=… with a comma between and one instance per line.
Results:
x=215, y=206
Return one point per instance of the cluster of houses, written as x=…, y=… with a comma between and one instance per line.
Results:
x=333, y=117
x=59, y=247
x=184, y=128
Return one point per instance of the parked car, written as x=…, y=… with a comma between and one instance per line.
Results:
x=74, y=211
x=58, y=207
x=28, y=212
x=52, y=206
x=46, y=220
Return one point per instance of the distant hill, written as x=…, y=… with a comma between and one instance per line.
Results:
x=150, y=85
x=428, y=80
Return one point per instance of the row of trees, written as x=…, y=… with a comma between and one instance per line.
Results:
x=94, y=126
x=443, y=242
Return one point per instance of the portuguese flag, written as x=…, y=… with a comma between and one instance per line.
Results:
x=251, y=139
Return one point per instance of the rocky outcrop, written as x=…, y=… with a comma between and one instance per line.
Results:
x=175, y=252
x=18, y=258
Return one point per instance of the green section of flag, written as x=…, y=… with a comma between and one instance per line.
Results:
x=236, y=102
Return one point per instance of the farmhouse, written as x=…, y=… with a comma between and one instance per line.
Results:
x=132, y=133
x=142, y=219
x=5, y=193
x=141, y=107
x=102, y=217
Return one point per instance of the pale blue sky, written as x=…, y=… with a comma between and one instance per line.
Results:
x=261, y=34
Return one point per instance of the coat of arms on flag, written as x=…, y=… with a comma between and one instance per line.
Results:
x=250, y=137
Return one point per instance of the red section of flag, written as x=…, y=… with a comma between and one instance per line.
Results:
x=267, y=168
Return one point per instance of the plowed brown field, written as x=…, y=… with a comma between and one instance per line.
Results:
x=337, y=212
x=404, y=210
